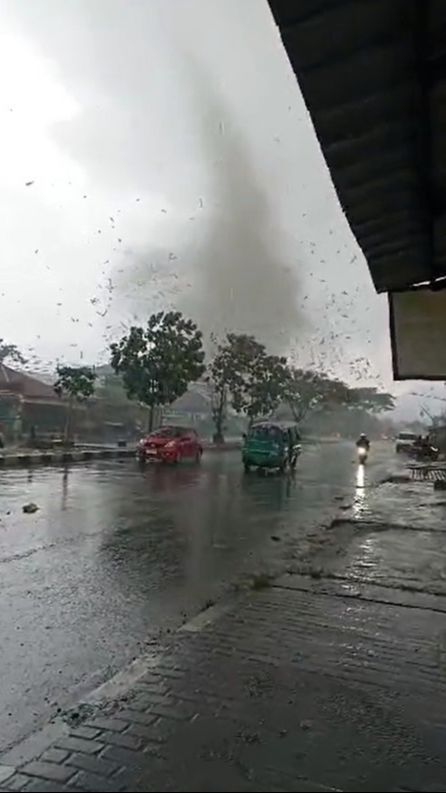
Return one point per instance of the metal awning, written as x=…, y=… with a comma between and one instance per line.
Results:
x=373, y=75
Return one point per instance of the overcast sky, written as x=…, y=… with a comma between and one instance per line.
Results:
x=173, y=163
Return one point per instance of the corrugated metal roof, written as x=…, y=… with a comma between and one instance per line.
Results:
x=373, y=75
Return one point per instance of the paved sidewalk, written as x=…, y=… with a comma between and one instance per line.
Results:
x=307, y=685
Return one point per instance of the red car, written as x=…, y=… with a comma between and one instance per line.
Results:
x=170, y=445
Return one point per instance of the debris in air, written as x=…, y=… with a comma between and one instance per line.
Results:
x=28, y=184
x=30, y=508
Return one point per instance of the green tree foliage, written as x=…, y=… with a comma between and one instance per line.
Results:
x=305, y=391
x=10, y=352
x=245, y=374
x=157, y=363
x=372, y=400
x=266, y=388
x=77, y=383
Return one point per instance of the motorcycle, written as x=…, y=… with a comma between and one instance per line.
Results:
x=363, y=453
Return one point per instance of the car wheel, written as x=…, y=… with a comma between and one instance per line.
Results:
x=198, y=456
x=247, y=468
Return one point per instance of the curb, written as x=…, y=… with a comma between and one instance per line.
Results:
x=48, y=458
x=106, y=695
x=11, y=459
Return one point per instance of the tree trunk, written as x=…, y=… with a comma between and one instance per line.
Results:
x=68, y=421
x=151, y=417
x=218, y=415
x=218, y=436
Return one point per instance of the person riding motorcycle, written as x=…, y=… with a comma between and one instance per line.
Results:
x=363, y=442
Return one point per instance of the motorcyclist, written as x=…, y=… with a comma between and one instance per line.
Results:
x=363, y=441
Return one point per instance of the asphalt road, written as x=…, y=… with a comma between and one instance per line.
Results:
x=115, y=555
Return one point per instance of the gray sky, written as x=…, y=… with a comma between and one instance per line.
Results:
x=173, y=164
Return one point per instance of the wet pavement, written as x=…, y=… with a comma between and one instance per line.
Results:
x=115, y=555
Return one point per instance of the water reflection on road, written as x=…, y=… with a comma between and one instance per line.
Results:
x=115, y=553
x=359, y=500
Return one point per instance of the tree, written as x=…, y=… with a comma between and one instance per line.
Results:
x=219, y=377
x=266, y=388
x=158, y=362
x=372, y=400
x=245, y=374
x=10, y=352
x=78, y=384
x=305, y=391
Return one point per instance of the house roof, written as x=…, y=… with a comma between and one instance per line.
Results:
x=374, y=79
x=191, y=402
x=24, y=385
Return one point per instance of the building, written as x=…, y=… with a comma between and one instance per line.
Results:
x=27, y=402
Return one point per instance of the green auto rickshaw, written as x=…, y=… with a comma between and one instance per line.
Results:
x=271, y=444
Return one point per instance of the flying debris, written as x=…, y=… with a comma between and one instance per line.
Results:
x=28, y=184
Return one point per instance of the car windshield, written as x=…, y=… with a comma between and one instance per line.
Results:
x=407, y=436
x=265, y=433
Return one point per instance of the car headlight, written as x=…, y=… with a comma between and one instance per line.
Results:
x=170, y=445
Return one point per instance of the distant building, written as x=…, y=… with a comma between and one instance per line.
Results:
x=27, y=402
x=190, y=408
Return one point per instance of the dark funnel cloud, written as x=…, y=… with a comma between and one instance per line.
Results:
x=230, y=271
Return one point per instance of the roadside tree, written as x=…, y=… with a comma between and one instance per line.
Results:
x=305, y=391
x=77, y=383
x=371, y=400
x=244, y=374
x=158, y=362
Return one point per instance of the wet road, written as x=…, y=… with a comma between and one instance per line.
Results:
x=115, y=555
